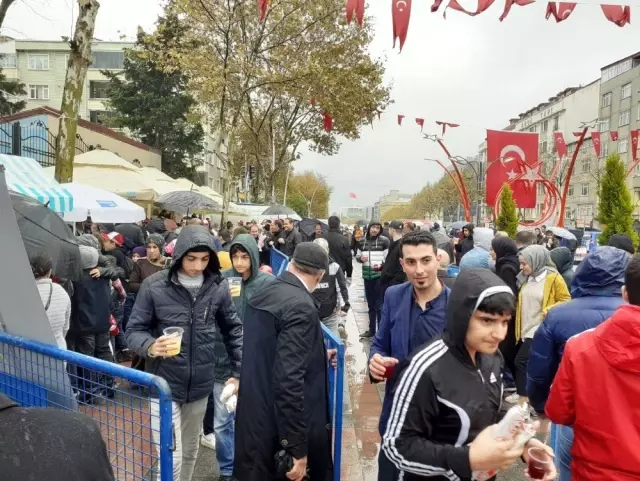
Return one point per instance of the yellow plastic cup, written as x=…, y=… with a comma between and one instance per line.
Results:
x=235, y=286
x=175, y=333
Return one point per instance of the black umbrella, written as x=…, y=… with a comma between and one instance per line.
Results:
x=187, y=200
x=44, y=231
x=307, y=227
x=361, y=222
x=278, y=209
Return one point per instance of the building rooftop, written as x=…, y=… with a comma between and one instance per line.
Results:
x=635, y=56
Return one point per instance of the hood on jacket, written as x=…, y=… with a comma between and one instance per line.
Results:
x=192, y=236
x=601, y=273
x=482, y=237
x=248, y=243
x=369, y=236
x=471, y=287
x=562, y=258
x=618, y=339
x=88, y=240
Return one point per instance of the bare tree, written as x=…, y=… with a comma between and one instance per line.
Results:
x=79, y=61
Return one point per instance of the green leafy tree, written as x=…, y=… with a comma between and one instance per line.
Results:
x=616, y=206
x=508, y=218
x=11, y=88
x=298, y=203
x=154, y=103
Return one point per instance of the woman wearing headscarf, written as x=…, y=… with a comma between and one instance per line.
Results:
x=147, y=266
x=542, y=289
x=505, y=253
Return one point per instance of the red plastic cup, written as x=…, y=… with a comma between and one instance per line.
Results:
x=388, y=370
x=539, y=463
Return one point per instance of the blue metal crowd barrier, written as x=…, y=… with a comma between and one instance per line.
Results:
x=278, y=262
x=132, y=408
x=336, y=394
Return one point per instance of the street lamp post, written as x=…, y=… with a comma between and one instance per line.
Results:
x=479, y=174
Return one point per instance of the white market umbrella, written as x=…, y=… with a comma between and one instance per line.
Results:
x=102, y=206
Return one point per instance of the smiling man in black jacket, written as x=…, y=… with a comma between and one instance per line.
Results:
x=192, y=295
x=448, y=394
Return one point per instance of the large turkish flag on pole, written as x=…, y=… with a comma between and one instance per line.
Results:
x=506, y=153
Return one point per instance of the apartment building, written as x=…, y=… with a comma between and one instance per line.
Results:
x=386, y=202
x=353, y=214
x=42, y=66
x=619, y=110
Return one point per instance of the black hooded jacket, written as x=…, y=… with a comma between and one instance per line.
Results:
x=443, y=400
x=563, y=259
x=163, y=302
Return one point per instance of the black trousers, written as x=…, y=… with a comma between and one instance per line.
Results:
x=520, y=362
x=88, y=382
x=387, y=471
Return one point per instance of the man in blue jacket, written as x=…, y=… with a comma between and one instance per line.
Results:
x=413, y=313
x=596, y=293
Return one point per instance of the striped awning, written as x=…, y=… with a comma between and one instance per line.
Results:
x=26, y=176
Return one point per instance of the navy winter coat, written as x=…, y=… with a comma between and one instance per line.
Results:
x=163, y=302
x=596, y=293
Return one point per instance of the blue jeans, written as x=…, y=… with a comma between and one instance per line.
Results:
x=564, y=441
x=220, y=422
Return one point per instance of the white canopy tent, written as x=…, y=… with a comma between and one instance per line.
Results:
x=102, y=206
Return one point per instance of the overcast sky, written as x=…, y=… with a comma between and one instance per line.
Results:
x=476, y=72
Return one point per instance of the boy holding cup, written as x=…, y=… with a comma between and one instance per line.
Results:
x=193, y=297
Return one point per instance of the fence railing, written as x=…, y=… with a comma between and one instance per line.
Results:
x=336, y=396
x=132, y=408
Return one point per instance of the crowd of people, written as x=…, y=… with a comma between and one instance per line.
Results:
x=453, y=348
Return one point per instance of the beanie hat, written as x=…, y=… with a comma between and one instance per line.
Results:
x=89, y=257
x=313, y=256
x=622, y=241
x=156, y=239
x=88, y=240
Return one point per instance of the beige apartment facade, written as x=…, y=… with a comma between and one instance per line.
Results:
x=386, y=202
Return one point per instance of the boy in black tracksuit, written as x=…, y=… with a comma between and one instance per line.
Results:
x=450, y=390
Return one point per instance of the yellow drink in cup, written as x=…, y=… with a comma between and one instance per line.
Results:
x=235, y=286
x=175, y=333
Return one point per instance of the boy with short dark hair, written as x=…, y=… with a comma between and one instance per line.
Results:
x=448, y=394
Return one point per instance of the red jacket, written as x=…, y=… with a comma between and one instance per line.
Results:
x=597, y=391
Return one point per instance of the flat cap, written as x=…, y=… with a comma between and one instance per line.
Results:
x=308, y=254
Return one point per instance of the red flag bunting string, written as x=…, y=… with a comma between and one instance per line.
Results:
x=400, y=15
x=400, y=117
x=561, y=146
x=509, y=3
x=618, y=14
x=445, y=125
x=357, y=7
x=559, y=11
x=420, y=122
x=262, y=9
x=595, y=140
x=614, y=135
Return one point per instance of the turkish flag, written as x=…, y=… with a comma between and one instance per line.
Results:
x=400, y=15
x=614, y=135
x=595, y=140
x=420, y=122
x=509, y=3
x=327, y=122
x=504, y=150
x=352, y=195
x=561, y=146
x=618, y=14
x=445, y=125
x=560, y=11
x=482, y=6
x=400, y=117
x=436, y=6
x=262, y=9
x=357, y=7
x=634, y=144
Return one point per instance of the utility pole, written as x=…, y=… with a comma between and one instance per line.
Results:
x=286, y=185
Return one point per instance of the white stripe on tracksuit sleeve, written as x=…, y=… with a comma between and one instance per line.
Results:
x=406, y=441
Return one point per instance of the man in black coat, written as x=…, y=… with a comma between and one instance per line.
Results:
x=289, y=239
x=392, y=273
x=339, y=248
x=283, y=399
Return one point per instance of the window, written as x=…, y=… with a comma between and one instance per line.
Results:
x=100, y=116
x=584, y=190
x=615, y=70
x=539, y=209
x=98, y=89
x=570, y=191
x=603, y=125
x=545, y=126
x=638, y=117
x=8, y=61
x=626, y=91
x=543, y=147
x=567, y=212
x=625, y=118
x=556, y=122
x=606, y=99
x=39, y=92
x=623, y=145
x=586, y=166
x=585, y=211
x=38, y=62
x=108, y=60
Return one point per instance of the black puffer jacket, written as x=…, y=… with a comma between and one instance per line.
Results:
x=163, y=302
